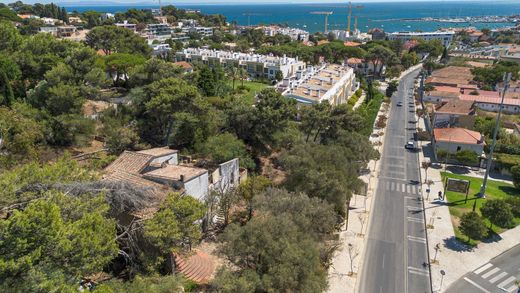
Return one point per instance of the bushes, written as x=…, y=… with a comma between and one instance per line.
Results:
x=515, y=172
x=471, y=225
x=498, y=212
x=355, y=98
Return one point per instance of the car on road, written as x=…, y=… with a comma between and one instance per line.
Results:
x=399, y=104
x=410, y=145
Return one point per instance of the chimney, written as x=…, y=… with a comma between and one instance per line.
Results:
x=182, y=177
x=331, y=80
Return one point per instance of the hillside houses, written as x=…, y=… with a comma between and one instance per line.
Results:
x=161, y=170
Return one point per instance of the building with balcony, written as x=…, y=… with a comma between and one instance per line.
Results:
x=330, y=82
x=445, y=37
x=257, y=66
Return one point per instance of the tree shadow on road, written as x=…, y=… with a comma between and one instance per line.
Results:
x=454, y=244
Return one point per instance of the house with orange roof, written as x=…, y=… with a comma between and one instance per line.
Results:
x=455, y=113
x=187, y=67
x=456, y=139
x=351, y=44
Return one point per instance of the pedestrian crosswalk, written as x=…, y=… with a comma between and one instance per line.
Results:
x=402, y=187
x=494, y=275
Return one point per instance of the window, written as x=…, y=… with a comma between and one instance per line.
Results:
x=458, y=148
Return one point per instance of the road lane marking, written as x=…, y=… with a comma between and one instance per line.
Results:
x=393, y=186
x=482, y=268
x=512, y=288
x=408, y=188
x=490, y=273
x=418, y=271
x=416, y=220
x=498, y=277
x=415, y=209
x=506, y=282
x=417, y=239
x=383, y=262
x=476, y=285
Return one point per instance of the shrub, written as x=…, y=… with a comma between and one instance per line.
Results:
x=471, y=225
x=498, y=212
x=514, y=202
x=515, y=171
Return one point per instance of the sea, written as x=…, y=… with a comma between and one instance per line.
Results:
x=390, y=16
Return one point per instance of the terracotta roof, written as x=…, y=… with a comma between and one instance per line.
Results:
x=131, y=162
x=323, y=42
x=460, y=107
x=442, y=94
x=458, y=135
x=157, y=192
x=351, y=44
x=451, y=89
x=490, y=100
x=199, y=267
x=478, y=64
x=184, y=64
x=354, y=61
x=174, y=172
x=451, y=75
x=158, y=152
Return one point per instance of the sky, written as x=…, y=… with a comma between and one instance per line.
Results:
x=116, y=2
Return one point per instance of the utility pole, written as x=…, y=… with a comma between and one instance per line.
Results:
x=507, y=78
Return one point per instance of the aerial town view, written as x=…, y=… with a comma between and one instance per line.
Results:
x=260, y=146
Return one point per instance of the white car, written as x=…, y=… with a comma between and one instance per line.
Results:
x=410, y=145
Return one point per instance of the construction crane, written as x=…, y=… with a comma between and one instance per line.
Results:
x=349, y=17
x=326, y=13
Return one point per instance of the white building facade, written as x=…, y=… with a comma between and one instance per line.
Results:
x=445, y=37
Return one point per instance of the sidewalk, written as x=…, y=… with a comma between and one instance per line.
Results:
x=341, y=279
x=455, y=258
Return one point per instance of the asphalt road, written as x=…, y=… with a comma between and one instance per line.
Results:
x=498, y=275
x=396, y=251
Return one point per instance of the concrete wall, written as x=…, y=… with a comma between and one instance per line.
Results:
x=510, y=109
x=443, y=120
x=172, y=159
x=453, y=147
x=198, y=187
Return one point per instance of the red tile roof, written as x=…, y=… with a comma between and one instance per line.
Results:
x=158, y=152
x=490, y=100
x=458, y=135
x=459, y=107
x=199, y=267
x=351, y=44
x=131, y=162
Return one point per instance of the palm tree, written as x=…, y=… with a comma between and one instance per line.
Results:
x=242, y=73
x=233, y=73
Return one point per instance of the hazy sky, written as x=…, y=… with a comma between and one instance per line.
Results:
x=72, y=2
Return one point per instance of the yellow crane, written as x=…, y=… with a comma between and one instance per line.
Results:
x=326, y=13
x=349, y=17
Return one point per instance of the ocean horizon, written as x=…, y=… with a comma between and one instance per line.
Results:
x=389, y=16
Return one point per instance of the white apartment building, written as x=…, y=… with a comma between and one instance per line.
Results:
x=445, y=37
x=125, y=24
x=294, y=33
x=331, y=82
x=202, y=30
x=256, y=65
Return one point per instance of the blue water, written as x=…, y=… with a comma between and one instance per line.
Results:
x=388, y=16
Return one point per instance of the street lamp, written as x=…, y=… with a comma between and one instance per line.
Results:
x=442, y=278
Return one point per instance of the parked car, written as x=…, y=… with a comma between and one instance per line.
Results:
x=399, y=104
